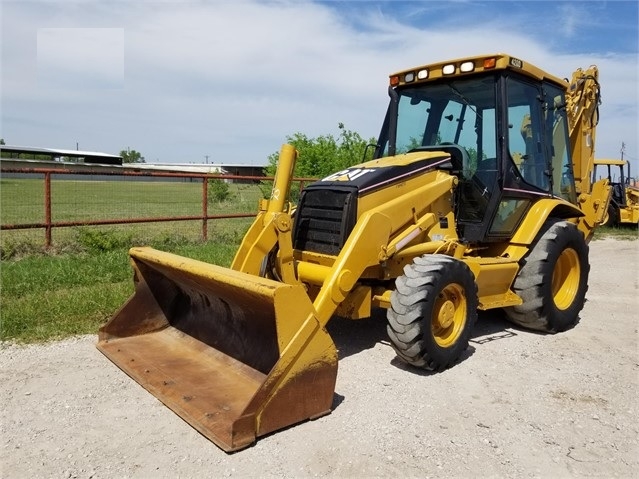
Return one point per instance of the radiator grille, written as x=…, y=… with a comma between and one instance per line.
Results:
x=324, y=219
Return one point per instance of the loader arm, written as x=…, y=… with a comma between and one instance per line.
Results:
x=370, y=243
x=272, y=225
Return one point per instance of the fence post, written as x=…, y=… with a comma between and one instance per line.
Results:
x=205, y=208
x=47, y=209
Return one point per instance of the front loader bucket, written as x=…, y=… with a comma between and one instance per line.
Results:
x=236, y=356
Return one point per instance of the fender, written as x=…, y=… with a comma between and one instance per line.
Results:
x=537, y=216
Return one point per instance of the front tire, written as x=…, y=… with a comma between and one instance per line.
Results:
x=433, y=310
x=553, y=280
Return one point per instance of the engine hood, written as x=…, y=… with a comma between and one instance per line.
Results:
x=379, y=173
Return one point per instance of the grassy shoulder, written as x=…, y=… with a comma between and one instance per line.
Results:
x=52, y=297
x=621, y=232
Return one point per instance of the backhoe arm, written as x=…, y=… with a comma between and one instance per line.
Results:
x=582, y=105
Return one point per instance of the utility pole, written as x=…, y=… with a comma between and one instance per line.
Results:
x=623, y=149
x=207, y=159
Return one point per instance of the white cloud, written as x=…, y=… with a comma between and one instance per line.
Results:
x=80, y=58
x=575, y=18
x=232, y=79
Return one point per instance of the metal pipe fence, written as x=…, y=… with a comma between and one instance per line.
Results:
x=69, y=198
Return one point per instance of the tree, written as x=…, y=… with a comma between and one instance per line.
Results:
x=131, y=156
x=218, y=190
x=325, y=154
x=2, y=141
x=321, y=156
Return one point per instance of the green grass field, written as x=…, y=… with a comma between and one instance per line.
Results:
x=22, y=202
x=85, y=277
x=23, y=199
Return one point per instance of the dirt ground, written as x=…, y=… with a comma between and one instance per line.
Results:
x=519, y=404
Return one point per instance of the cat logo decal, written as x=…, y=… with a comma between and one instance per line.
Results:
x=349, y=174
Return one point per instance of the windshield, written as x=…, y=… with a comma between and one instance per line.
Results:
x=460, y=112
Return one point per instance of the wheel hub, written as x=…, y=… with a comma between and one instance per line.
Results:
x=565, y=279
x=446, y=314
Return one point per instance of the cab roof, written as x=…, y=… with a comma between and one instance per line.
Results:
x=472, y=65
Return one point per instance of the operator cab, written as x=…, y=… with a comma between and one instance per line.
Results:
x=506, y=132
x=618, y=184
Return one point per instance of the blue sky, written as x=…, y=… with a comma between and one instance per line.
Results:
x=180, y=80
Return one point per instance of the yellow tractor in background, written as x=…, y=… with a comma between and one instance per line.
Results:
x=479, y=196
x=624, y=204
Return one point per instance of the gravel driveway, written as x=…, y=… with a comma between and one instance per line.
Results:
x=519, y=404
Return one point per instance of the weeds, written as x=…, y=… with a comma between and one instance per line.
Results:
x=96, y=240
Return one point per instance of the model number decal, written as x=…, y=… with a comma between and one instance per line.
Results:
x=349, y=175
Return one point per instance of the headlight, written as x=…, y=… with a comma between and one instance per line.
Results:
x=467, y=67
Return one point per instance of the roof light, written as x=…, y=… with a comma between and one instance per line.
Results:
x=490, y=62
x=467, y=67
x=448, y=69
x=409, y=77
x=422, y=74
x=394, y=80
x=515, y=62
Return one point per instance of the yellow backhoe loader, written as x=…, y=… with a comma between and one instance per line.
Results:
x=624, y=204
x=479, y=196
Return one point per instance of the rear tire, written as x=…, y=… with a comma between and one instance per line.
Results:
x=612, y=216
x=553, y=280
x=433, y=311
